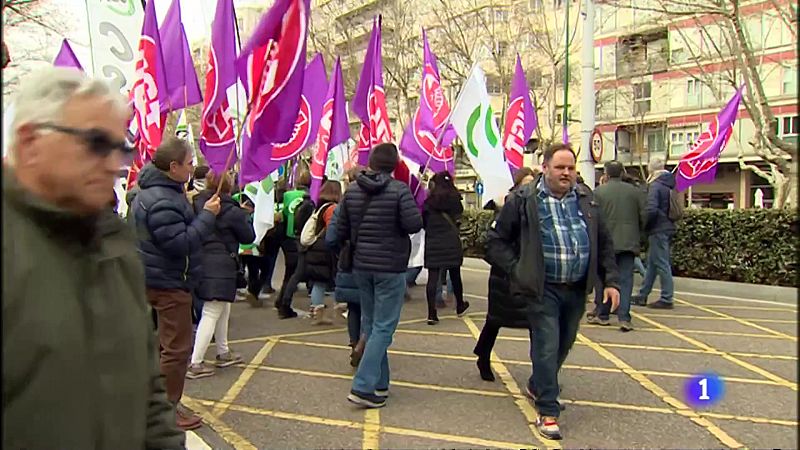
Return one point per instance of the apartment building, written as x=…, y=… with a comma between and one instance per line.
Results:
x=660, y=80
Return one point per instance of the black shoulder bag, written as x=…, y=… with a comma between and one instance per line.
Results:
x=347, y=253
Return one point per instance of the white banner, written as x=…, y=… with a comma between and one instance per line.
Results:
x=114, y=30
x=476, y=125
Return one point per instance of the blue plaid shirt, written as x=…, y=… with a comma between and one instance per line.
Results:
x=565, y=237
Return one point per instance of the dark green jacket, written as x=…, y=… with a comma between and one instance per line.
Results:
x=79, y=350
x=625, y=210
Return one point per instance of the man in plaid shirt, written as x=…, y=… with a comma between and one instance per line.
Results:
x=553, y=242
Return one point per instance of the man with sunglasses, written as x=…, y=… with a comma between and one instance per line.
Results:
x=79, y=353
x=170, y=242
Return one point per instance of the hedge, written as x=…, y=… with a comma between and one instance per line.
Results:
x=748, y=245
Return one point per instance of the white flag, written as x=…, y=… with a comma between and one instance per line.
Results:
x=183, y=131
x=114, y=29
x=263, y=196
x=475, y=124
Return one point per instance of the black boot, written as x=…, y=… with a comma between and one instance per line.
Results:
x=485, y=368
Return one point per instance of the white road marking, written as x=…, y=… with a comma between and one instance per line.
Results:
x=194, y=442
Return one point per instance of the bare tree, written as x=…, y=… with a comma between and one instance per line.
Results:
x=29, y=29
x=728, y=39
x=545, y=49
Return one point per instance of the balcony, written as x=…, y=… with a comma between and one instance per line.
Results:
x=642, y=53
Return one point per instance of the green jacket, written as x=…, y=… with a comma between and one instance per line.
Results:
x=79, y=350
x=624, y=207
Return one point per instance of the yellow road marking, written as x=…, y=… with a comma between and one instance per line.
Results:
x=528, y=363
x=722, y=316
x=408, y=384
x=682, y=330
x=472, y=441
x=372, y=429
x=646, y=383
x=748, y=323
x=752, y=308
x=508, y=381
x=751, y=367
x=608, y=344
x=222, y=429
x=244, y=377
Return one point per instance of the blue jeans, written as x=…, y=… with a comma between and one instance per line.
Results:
x=658, y=264
x=411, y=275
x=444, y=276
x=317, y=294
x=625, y=264
x=381, y=303
x=638, y=265
x=554, y=326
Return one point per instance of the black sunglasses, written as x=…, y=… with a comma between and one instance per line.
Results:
x=98, y=141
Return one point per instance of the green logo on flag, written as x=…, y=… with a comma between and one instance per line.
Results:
x=119, y=9
x=472, y=122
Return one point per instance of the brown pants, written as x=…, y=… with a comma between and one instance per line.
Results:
x=174, y=310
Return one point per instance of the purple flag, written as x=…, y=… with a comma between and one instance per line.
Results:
x=217, y=134
x=427, y=138
x=699, y=165
x=149, y=90
x=369, y=100
x=333, y=128
x=256, y=164
x=271, y=67
x=182, y=85
x=520, y=119
x=66, y=57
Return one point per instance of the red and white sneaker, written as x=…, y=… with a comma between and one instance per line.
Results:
x=548, y=427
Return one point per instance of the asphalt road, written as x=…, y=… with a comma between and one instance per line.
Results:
x=621, y=390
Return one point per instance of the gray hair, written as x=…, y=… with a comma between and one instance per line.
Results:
x=656, y=163
x=43, y=94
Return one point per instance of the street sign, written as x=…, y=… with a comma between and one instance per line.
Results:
x=479, y=188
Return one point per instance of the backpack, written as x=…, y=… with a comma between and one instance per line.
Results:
x=310, y=232
x=676, y=206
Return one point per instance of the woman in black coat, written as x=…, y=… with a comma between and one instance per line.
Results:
x=441, y=214
x=217, y=287
x=504, y=310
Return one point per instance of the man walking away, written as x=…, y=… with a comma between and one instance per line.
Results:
x=660, y=230
x=170, y=242
x=624, y=208
x=79, y=351
x=552, y=241
x=377, y=215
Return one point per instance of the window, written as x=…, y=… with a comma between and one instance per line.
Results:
x=535, y=78
x=789, y=85
x=655, y=141
x=693, y=87
x=536, y=5
x=501, y=15
x=502, y=49
x=641, y=98
x=493, y=85
x=681, y=140
x=790, y=127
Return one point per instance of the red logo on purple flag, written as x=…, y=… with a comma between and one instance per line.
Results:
x=323, y=139
x=695, y=163
x=145, y=93
x=302, y=130
x=434, y=96
x=282, y=58
x=514, y=132
x=217, y=127
x=378, y=116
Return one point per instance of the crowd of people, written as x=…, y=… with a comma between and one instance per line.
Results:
x=188, y=246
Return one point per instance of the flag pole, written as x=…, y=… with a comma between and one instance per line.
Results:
x=239, y=51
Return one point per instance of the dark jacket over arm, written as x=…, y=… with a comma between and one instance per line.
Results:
x=514, y=244
x=382, y=244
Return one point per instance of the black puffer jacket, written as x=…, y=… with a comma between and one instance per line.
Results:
x=220, y=248
x=506, y=310
x=382, y=244
x=170, y=235
x=442, y=237
x=319, y=260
